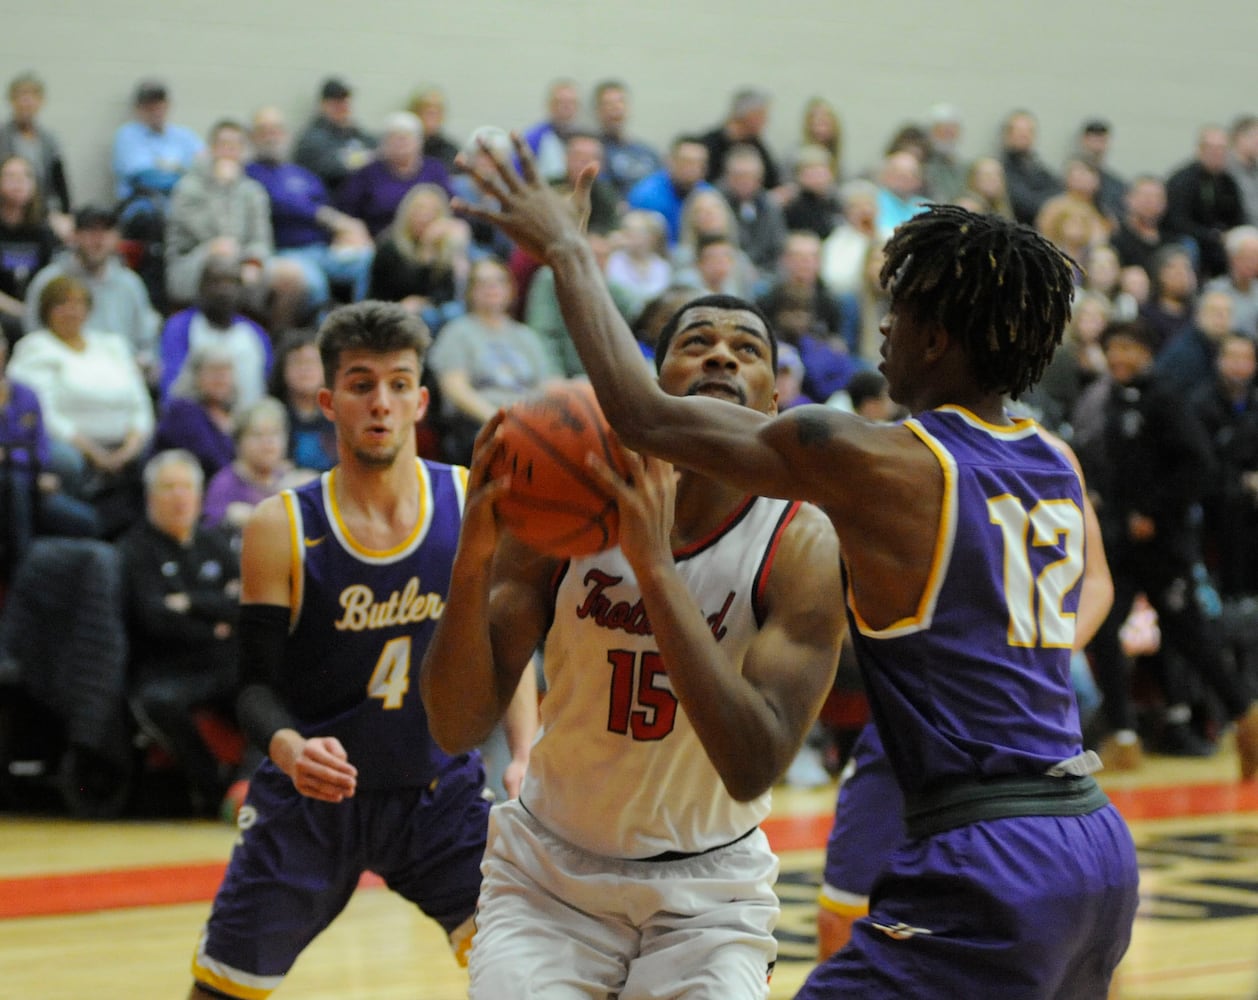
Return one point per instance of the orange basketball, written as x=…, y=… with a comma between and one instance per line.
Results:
x=555, y=504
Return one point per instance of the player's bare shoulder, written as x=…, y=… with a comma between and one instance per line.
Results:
x=266, y=553
x=270, y=520
x=1056, y=442
x=840, y=455
x=814, y=530
x=808, y=557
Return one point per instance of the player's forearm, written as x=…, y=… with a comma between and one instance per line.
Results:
x=520, y=720
x=284, y=748
x=604, y=343
x=732, y=720
x=1095, y=599
x=458, y=682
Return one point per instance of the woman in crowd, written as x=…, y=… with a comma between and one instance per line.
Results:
x=1104, y=278
x=261, y=467
x=27, y=242
x=706, y=213
x=484, y=359
x=295, y=381
x=985, y=189
x=1172, y=294
x=197, y=416
x=1076, y=364
x=94, y=399
x=421, y=260
x=640, y=264
x=1071, y=227
x=821, y=127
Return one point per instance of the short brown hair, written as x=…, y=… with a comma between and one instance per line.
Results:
x=27, y=80
x=59, y=290
x=379, y=327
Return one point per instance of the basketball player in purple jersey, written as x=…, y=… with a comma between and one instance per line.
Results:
x=962, y=531
x=343, y=581
x=683, y=669
x=869, y=812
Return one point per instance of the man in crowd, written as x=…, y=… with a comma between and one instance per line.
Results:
x=328, y=245
x=120, y=302
x=332, y=146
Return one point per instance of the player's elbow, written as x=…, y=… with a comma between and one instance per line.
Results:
x=449, y=729
x=640, y=420
x=452, y=736
x=747, y=791
x=746, y=784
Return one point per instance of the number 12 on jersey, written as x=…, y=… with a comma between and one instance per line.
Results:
x=1035, y=601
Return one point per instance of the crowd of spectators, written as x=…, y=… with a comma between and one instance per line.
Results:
x=180, y=317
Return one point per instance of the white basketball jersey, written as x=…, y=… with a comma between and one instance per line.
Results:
x=617, y=768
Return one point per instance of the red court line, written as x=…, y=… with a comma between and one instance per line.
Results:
x=797, y=833
x=1171, y=801
x=81, y=892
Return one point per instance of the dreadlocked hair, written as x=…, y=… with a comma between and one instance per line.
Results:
x=1001, y=287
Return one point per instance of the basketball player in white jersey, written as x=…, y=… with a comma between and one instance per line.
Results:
x=683, y=669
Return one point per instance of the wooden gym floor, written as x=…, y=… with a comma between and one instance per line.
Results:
x=112, y=910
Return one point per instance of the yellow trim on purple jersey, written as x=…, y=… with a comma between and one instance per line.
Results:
x=462, y=477
x=296, y=558
x=423, y=520
x=845, y=904
x=944, y=538
x=1020, y=427
x=228, y=981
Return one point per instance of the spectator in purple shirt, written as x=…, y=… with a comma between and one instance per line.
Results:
x=197, y=415
x=328, y=245
x=260, y=469
x=31, y=501
x=373, y=193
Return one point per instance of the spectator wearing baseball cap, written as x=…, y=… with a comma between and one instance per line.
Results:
x=335, y=89
x=119, y=300
x=1094, y=137
x=332, y=146
x=150, y=154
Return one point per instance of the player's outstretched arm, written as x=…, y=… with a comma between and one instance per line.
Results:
x=734, y=444
x=494, y=617
x=751, y=723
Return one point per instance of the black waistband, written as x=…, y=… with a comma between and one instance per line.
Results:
x=665, y=855
x=683, y=855
x=965, y=802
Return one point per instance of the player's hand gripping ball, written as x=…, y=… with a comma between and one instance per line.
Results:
x=555, y=503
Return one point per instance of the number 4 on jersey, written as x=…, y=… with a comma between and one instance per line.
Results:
x=392, y=677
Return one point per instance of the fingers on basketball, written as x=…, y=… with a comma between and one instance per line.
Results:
x=555, y=502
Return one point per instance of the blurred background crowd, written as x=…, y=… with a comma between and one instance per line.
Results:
x=159, y=373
